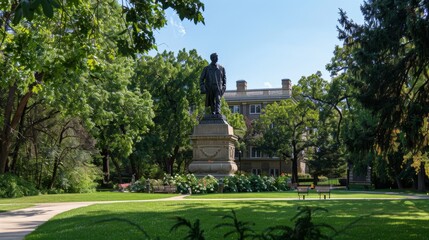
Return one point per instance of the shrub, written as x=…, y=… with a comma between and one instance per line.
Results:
x=12, y=186
x=230, y=185
x=257, y=183
x=281, y=183
x=139, y=186
x=183, y=183
x=81, y=179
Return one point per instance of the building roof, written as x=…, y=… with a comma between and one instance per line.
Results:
x=269, y=94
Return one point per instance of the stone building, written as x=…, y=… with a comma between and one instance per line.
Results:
x=250, y=103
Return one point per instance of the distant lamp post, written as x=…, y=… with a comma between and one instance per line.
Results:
x=239, y=161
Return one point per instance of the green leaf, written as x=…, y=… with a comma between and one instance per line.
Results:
x=48, y=10
x=18, y=15
x=55, y=3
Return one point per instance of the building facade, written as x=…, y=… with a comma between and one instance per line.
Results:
x=250, y=103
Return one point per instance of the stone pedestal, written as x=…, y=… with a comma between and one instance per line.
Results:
x=213, y=142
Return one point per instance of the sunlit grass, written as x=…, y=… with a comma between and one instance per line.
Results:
x=10, y=207
x=293, y=194
x=355, y=219
x=86, y=197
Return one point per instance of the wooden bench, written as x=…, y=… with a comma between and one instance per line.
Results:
x=323, y=190
x=164, y=189
x=302, y=191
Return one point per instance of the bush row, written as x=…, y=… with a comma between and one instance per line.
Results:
x=209, y=184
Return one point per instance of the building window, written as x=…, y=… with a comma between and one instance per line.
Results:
x=255, y=109
x=274, y=172
x=255, y=153
x=235, y=109
x=256, y=171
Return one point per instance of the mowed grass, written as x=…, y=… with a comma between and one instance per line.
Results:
x=10, y=207
x=312, y=195
x=354, y=219
x=85, y=197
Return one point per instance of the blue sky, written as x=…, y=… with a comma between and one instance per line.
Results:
x=262, y=42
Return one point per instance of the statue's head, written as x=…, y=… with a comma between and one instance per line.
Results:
x=213, y=57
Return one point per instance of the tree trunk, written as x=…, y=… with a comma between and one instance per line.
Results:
x=134, y=168
x=11, y=120
x=315, y=179
x=18, y=144
x=54, y=172
x=399, y=182
x=118, y=169
x=294, y=163
x=5, y=134
x=106, y=169
x=421, y=178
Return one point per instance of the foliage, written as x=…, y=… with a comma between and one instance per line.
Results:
x=81, y=179
x=141, y=18
x=139, y=186
x=189, y=183
x=255, y=183
x=387, y=57
x=240, y=228
x=12, y=186
x=71, y=59
x=170, y=79
x=194, y=230
x=286, y=129
x=304, y=227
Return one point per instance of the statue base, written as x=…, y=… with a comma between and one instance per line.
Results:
x=213, y=142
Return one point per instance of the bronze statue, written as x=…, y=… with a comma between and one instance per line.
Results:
x=213, y=84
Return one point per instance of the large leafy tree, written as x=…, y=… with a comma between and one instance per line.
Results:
x=173, y=83
x=58, y=48
x=326, y=155
x=389, y=62
x=139, y=20
x=287, y=129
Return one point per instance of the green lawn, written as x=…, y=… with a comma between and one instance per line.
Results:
x=355, y=219
x=85, y=197
x=10, y=207
x=312, y=195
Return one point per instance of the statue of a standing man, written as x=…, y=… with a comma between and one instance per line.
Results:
x=213, y=84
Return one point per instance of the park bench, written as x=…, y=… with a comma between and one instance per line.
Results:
x=323, y=190
x=302, y=191
x=164, y=189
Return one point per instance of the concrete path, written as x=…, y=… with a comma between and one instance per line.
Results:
x=16, y=224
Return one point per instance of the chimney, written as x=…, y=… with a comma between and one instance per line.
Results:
x=286, y=84
x=241, y=85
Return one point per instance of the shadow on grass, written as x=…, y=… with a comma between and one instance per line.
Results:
x=372, y=219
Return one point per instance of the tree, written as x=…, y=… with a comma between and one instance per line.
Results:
x=286, y=129
x=178, y=104
x=68, y=51
x=389, y=61
x=140, y=18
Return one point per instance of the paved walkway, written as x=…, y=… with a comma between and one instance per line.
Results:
x=16, y=224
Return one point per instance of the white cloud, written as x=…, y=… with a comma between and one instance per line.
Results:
x=268, y=85
x=178, y=27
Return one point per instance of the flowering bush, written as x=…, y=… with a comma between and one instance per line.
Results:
x=257, y=183
x=239, y=183
x=139, y=186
